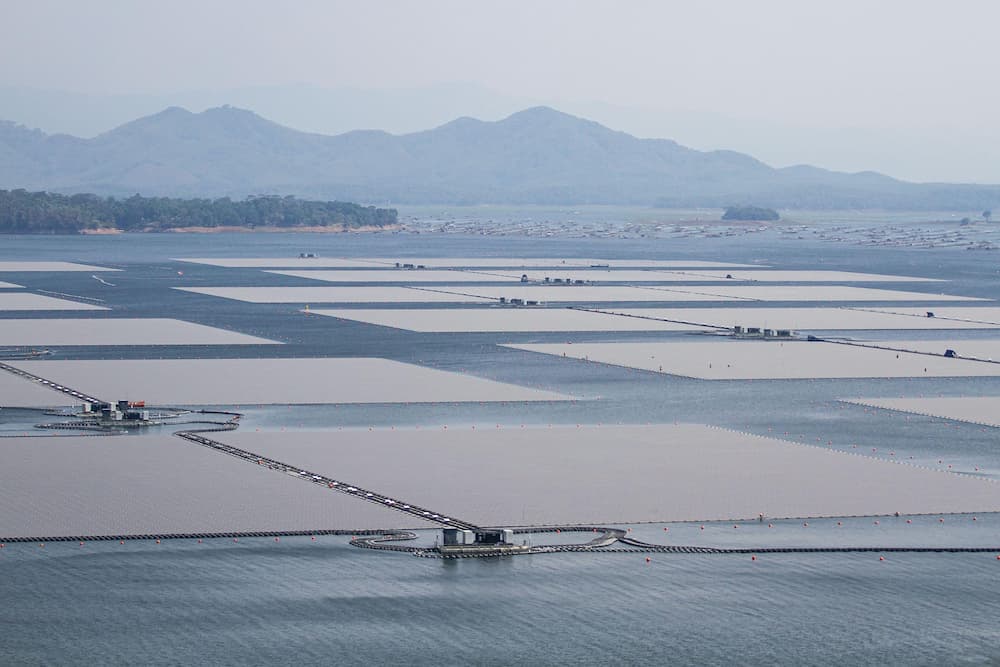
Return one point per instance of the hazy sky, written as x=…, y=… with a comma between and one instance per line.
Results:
x=908, y=87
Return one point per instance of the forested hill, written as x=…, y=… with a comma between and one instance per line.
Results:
x=23, y=212
x=536, y=156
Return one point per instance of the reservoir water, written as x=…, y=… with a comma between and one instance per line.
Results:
x=321, y=601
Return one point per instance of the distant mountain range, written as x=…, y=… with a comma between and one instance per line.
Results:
x=536, y=156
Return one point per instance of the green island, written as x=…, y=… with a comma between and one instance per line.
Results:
x=23, y=212
x=750, y=213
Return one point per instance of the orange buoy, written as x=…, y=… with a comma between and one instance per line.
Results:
x=881, y=558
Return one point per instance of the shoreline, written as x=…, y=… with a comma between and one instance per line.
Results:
x=329, y=229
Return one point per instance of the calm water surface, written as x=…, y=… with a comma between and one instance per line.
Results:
x=322, y=601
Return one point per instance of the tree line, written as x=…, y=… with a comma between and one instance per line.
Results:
x=23, y=212
x=750, y=213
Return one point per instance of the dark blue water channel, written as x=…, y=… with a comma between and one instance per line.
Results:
x=321, y=601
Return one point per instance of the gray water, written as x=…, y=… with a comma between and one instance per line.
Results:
x=325, y=602
x=322, y=601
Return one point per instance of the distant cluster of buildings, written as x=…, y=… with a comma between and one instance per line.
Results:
x=456, y=541
x=514, y=301
x=759, y=332
x=558, y=281
x=120, y=413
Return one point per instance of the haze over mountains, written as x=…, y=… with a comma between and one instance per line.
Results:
x=950, y=149
x=536, y=156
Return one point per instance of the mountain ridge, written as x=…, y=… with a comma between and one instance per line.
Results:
x=538, y=155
